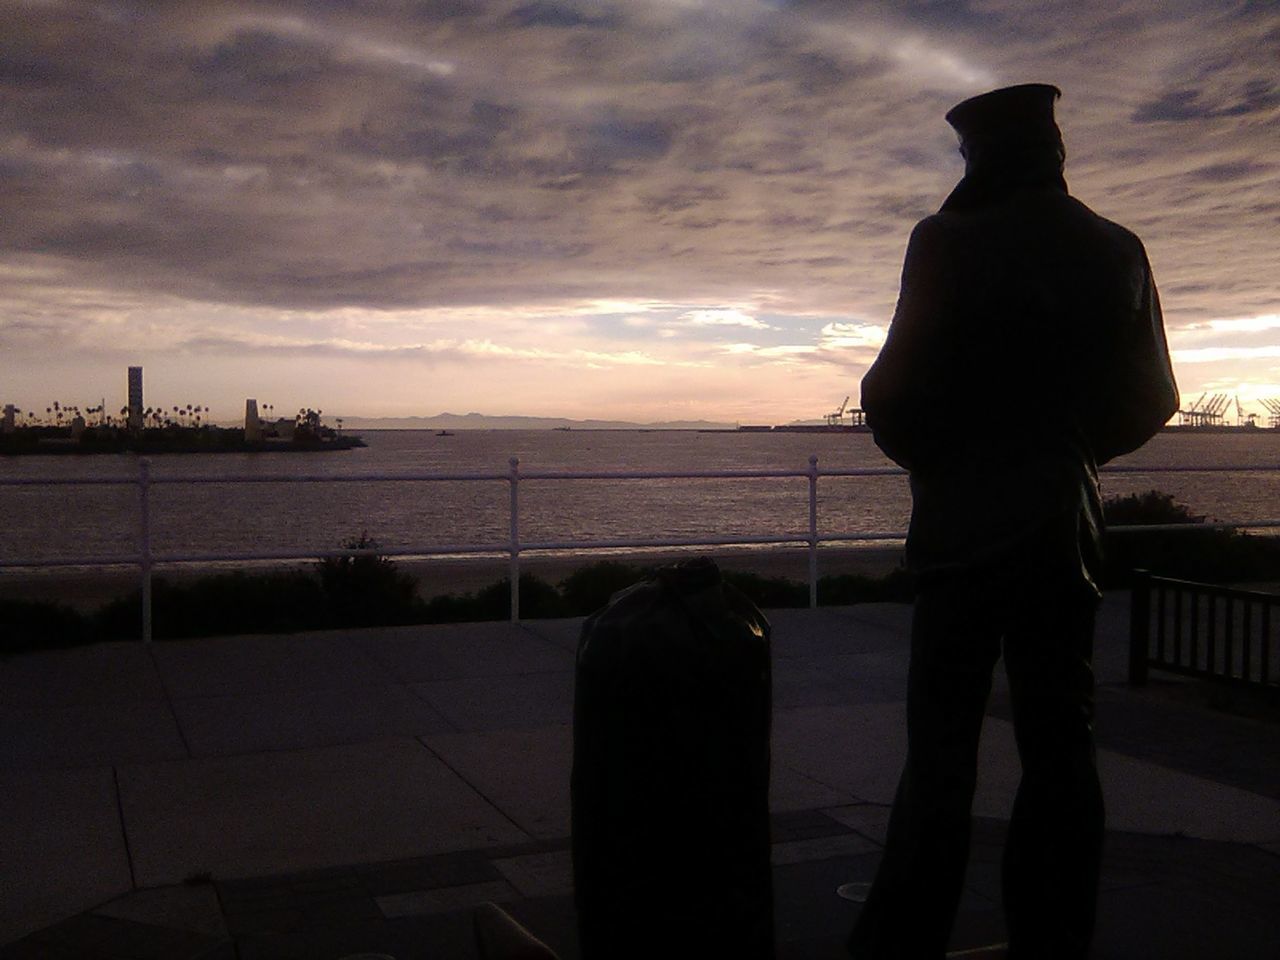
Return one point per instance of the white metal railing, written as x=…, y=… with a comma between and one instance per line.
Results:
x=146, y=559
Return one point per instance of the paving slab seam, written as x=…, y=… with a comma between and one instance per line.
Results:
x=546, y=641
x=408, y=685
x=834, y=789
x=478, y=792
x=344, y=687
x=874, y=838
x=300, y=748
x=124, y=830
x=168, y=695
x=283, y=751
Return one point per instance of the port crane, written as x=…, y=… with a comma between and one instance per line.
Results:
x=835, y=419
x=1186, y=417
x=1205, y=414
x=1217, y=408
x=1273, y=408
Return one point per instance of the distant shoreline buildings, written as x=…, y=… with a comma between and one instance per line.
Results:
x=143, y=429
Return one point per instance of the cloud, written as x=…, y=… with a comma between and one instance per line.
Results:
x=789, y=352
x=1257, y=95
x=838, y=343
x=920, y=57
x=853, y=335
x=1217, y=354
x=1241, y=324
x=1238, y=340
x=476, y=349
x=543, y=13
x=722, y=317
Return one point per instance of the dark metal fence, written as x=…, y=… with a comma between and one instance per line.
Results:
x=1203, y=630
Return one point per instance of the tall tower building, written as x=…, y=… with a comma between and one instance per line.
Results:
x=252, y=422
x=135, y=398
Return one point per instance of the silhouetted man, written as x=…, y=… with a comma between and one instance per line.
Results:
x=1027, y=348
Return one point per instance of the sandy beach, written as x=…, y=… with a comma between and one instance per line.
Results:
x=87, y=590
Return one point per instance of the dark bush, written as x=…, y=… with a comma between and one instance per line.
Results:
x=589, y=588
x=1211, y=556
x=1150, y=507
x=222, y=604
x=539, y=600
x=367, y=590
x=452, y=608
x=1196, y=553
x=37, y=625
x=774, y=592
x=897, y=586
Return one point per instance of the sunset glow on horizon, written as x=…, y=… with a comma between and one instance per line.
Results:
x=645, y=211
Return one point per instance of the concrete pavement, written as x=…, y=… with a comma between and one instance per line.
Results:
x=323, y=794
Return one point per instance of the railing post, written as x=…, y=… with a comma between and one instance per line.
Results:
x=813, y=531
x=514, y=572
x=144, y=543
x=1139, y=627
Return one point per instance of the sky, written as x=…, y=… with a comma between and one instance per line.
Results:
x=646, y=210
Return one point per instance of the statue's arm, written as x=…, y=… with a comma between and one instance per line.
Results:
x=1140, y=393
x=902, y=389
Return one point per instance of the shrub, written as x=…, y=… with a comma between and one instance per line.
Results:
x=36, y=625
x=772, y=592
x=222, y=604
x=451, y=608
x=1212, y=556
x=366, y=590
x=539, y=600
x=589, y=588
x=897, y=586
x=1150, y=507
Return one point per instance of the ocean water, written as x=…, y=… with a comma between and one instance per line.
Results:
x=48, y=522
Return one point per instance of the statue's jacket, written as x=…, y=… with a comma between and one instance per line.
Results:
x=1026, y=349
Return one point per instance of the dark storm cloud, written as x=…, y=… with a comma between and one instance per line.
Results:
x=23, y=68
x=257, y=64
x=1234, y=170
x=443, y=130
x=914, y=157
x=543, y=13
x=950, y=14
x=1257, y=96
x=679, y=198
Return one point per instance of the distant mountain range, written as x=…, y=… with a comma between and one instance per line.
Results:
x=480, y=421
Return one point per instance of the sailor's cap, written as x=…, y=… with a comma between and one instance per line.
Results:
x=1021, y=112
